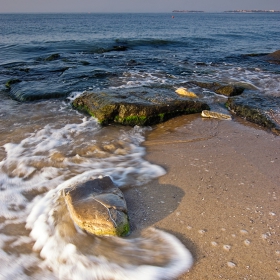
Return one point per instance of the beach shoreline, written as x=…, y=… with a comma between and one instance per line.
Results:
x=219, y=196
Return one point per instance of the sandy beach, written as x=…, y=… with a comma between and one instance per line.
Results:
x=220, y=195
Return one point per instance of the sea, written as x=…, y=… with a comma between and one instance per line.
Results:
x=46, y=61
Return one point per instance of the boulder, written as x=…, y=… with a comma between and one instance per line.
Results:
x=223, y=89
x=259, y=109
x=136, y=108
x=215, y=115
x=98, y=207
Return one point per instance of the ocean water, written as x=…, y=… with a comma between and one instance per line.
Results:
x=46, y=60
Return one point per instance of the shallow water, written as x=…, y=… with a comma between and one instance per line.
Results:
x=46, y=146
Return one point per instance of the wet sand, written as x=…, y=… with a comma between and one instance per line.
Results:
x=220, y=196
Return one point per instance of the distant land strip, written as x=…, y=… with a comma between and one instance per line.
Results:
x=230, y=11
x=252, y=11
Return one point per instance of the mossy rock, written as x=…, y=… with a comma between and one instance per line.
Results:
x=142, y=111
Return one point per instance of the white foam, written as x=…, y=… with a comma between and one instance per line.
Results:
x=67, y=261
x=31, y=179
x=255, y=79
x=73, y=95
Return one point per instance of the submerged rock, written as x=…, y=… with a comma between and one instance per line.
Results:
x=52, y=57
x=98, y=207
x=223, y=89
x=11, y=82
x=262, y=110
x=141, y=108
x=215, y=115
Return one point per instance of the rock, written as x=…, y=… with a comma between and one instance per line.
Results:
x=274, y=57
x=141, y=108
x=185, y=92
x=98, y=207
x=259, y=109
x=11, y=82
x=215, y=115
x=53, y=57
x=227, y=90
x=119, y=48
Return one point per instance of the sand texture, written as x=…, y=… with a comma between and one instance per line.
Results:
x=220, y=196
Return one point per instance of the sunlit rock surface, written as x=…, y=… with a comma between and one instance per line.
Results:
x=98, y=207
x=215, y=115
x=186, y=92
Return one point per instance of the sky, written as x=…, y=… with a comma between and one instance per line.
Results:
x=135, y=6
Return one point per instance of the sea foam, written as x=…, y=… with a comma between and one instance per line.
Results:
x=33, y=174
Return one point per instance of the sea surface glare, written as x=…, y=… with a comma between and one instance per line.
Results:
x=46, y=60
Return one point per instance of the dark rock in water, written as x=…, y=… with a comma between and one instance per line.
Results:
x=227, y=90
x=12, y=82
x=85, y=63
x=31, y=90
x=274, y=57
x=119, y=48
x=52, y=57
x=262, y=110
x=98, y=207
x=136, y=109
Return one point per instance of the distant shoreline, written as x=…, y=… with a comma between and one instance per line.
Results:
x=230, y=11
x=252, y=11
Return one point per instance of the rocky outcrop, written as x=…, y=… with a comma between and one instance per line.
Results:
x=98, y=207
x=223, y=89
x=141, y=108
x=262, y=110
x=274, y=57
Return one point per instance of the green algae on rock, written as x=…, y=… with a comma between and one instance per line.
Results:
x=139, y=110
